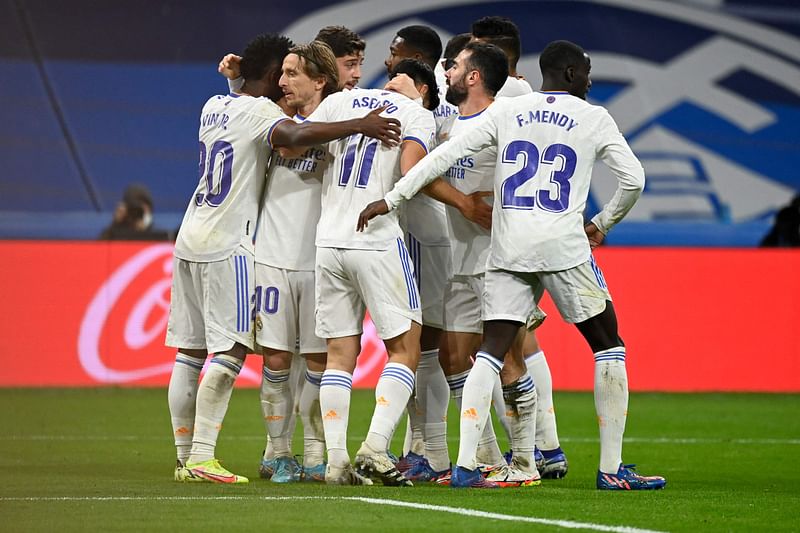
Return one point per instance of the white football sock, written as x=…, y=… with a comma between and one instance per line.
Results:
x=520, y=397
x=276, y=407
x=297, y=380
x=611, y=403
x=475, y=406
x=311, y=415
x=432, y=398
x=334, y=401
x=546, y=430
x=213, y=396
x=488, y=451
x=182, y=398
x=500, y=408
x=391, y=397
x=413, y=441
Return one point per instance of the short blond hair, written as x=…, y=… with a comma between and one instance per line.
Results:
x=319, y=62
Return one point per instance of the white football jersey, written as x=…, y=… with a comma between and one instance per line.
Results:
x=364, y=169
x=469, y=242
x=547, y=144
x=425, y=217
x=235, y=147
x=288, y=220
x=514, y=87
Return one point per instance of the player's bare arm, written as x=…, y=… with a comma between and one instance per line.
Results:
x=403, y=84
x=471, y=206
x=411, y=153
x=290, y=133
x=373, y=209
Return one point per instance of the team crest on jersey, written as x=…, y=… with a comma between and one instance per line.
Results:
x=707, y=100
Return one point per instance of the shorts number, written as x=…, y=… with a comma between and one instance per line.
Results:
x=269, y=296
x=558, y=180
x=208, y=168
x=366, y=151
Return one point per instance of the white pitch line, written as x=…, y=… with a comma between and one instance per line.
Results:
x=568, y=524
x=628, y=440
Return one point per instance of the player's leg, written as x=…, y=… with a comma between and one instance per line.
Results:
x=229, y=286
x=582, y=297
x=186, y=331
x=554, y=461
x=276, y=333
x=334, y=399
x=508, y=299
x=414, y=444
x=339, y=319
x=386, y=282
x=464, y=325
x=311, y=416
x=519, y=396
x=432, y=391
x=277, y=404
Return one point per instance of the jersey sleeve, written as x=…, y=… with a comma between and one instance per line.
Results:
x=269, y=115
x=420, y=128
x=483, y=135
x=614, y=151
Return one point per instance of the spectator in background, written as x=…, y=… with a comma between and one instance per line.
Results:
x=133, y=218
x=785, y=231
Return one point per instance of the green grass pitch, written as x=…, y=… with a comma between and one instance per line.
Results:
x=102, y=459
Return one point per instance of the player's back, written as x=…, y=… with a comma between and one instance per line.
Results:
x=364, y=170
x=234, y=152
x=547, y=145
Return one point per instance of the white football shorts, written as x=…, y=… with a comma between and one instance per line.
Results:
x=210, y=306
x=432, y=267
x=579, y=293
x=285, y=301
x=382, y=281
x=462, y=310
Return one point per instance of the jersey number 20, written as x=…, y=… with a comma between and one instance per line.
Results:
x=208, y=166
x=558, y=182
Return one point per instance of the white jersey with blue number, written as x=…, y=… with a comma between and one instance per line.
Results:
x=547, y=144
x=235, y=148
x=287, y=224
x=469, y=242
x=364, y=169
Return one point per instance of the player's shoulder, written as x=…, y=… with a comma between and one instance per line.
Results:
x=515, y=87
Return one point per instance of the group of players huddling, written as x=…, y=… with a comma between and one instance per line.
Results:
x=307, y=215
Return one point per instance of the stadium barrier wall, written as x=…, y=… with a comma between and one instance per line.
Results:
x=83, y=314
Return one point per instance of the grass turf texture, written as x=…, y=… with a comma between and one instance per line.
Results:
x=732, y=463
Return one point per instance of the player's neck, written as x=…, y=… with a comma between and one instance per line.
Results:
x=474, y=104
x=549, y=85
x=305, y=110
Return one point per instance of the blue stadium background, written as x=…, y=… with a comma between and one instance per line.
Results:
x=101, y=94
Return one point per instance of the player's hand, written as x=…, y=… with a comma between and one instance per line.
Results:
x=291, y=152
x=478, y=211
x=379, y=207
x=594, y=234
x=229, y=66
x=386, y=130
x=403, y=84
